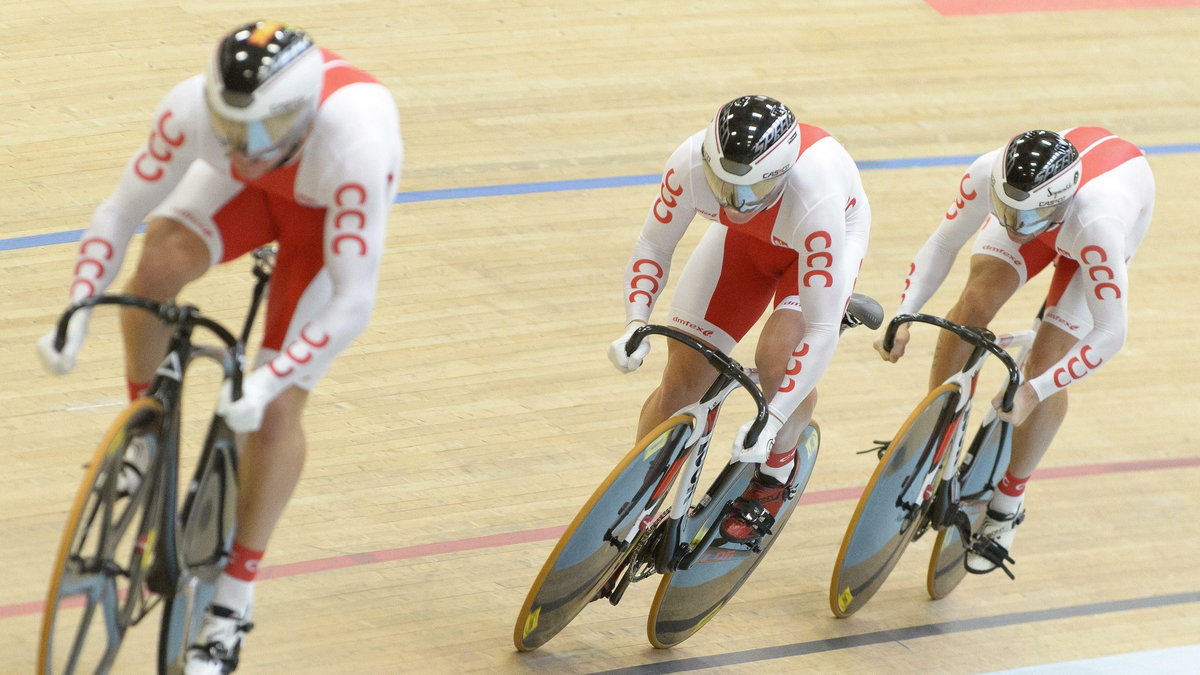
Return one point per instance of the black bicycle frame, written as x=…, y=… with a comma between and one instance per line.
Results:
x=167, y=389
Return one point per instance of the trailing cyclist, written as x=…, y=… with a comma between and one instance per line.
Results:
x=1081, y=199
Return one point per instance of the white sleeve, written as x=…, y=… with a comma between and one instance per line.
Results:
x=149, y=176
x=1103, y=270
x=648, y=268
x=823, y=290
x=962, y=220
x=360, y=197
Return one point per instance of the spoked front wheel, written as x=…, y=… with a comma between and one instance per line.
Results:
x=893, y=506
x=98, y=587
x=688, y=598
x=603, y=535
x=980, y=472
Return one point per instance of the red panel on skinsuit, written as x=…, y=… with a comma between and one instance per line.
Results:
x=977, y=7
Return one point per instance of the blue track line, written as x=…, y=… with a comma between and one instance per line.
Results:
x=71, y=236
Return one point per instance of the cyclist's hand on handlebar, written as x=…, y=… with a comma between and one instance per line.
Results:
x=761, y=449
x=627, y=363
x=62, y=362
x=1023, y=404
x=898, y=345
x=245, y=414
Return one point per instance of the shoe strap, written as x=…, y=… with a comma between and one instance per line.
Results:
x=999, y=516
x=223, y=612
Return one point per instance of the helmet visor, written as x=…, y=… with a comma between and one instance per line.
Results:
x=262, y=137
x=744, y=198
x=1027, y=222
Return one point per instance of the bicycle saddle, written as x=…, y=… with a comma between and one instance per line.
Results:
x=862, y=310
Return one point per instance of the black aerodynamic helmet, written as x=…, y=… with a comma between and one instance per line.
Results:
x=1033, y=181
x=748, y=148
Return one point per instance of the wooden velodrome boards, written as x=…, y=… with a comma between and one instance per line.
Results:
x=466, y=426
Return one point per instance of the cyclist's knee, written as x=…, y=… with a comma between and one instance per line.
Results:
x=685, y=378
x=783, y=330
x=172, y=256
x=282, y=417
x=679, y=384
x=979, y=301
x=1050, y=346
x=990, y=283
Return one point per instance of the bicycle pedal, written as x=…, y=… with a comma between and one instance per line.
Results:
x=753, y=514
x=606, y=589
x=995, y=554
x=620, y=544
x=617, y=590
x=880, y=449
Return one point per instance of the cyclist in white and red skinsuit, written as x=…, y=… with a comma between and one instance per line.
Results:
x=789, y=230
x=1081, y=199
x=281, y=141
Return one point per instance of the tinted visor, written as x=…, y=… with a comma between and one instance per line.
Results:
x=1027, y=221
x=260, y=137
x=744, y=198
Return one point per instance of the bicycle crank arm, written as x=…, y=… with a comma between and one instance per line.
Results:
x=667, y=548
x=944, y=507
x=962, y=522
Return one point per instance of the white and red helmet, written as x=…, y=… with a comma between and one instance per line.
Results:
x=1033, y=181
x=748, y=148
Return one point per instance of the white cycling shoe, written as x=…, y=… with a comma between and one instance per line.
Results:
x=218, y=643
x=993, y=541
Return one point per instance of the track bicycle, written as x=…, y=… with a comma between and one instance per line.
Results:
x=124, y=551
x=924, y=479
x=620, y=536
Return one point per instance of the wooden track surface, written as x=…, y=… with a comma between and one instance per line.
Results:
x=478, y=410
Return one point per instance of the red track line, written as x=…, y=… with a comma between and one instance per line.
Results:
x=548, y=533
x=976, y=7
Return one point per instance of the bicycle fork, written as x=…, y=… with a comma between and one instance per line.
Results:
x=672, y=552
x=939, y=488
